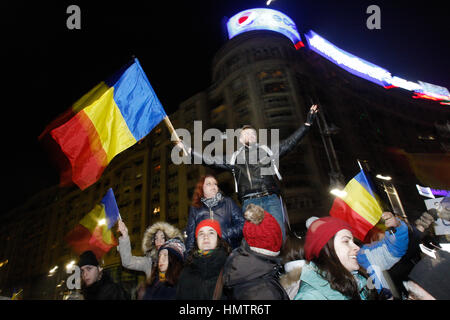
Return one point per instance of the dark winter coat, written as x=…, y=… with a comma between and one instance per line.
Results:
x=160, y=291
x=198, y=279
x=105, y=289
x=248, y=173
x=249, y=275
x=226, y=212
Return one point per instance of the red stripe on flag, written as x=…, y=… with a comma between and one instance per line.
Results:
x=81, y=240
x=81, y=144
x=97, y=239
x=342, y=211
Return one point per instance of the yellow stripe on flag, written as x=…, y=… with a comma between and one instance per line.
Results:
x=110, y=125
x=362, y=202
x=91, y=97
x=97, y=218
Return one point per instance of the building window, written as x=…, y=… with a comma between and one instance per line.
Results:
x=274, y=87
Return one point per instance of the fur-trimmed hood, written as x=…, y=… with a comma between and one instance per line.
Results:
x=148, y=247
x=292, y=274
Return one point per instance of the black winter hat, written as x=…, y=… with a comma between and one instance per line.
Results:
x=432, y=275
x=87, y=258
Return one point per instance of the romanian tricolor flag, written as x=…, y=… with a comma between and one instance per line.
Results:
x=110, y=118
x=359, y=206
x=94, y=231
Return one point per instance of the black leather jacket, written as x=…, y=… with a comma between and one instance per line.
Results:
x=248, y=173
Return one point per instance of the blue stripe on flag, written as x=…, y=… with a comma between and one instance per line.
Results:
x=362, y=179
x=137, y=101
x=111, y=209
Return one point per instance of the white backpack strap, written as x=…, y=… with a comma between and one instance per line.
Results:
x=232, y=162
x=270, y=153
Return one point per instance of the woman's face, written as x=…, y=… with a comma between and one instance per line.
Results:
x=163, y=262
x=159, y=239
x=346, y=250
x=210, y=187
x=207, y=238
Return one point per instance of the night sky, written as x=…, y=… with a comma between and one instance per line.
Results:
x=46, y=67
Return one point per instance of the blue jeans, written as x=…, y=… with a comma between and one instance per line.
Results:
x=272, y=204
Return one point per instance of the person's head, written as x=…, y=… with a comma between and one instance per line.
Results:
x=247, y=135
x=261, y=231
x=429, y=280
x=91, y=271
x=207, y=234
x=159, y=239
x=170, y=261
x=207, y=187
x=329, y=244
x=155, y=235
x=293, y=249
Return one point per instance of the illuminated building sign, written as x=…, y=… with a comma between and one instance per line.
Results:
x=444, y=193
x=431, y=193
x=347, y=61
x=263, y=19
x=373, y=73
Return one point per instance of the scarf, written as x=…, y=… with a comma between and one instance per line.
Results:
x=212, y=202
x=205, y=252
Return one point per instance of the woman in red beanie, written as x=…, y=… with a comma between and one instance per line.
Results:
x=208, y=202
x=200, y=278
x=333, y=272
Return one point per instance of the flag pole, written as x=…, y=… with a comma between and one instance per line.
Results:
x=173, y=132
x=360, y=166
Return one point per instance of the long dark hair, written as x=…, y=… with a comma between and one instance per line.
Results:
x=339, y=278
x=293, y=249
x=173, y=270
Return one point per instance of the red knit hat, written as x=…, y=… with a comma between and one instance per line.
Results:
x=209, y=223
x=320, y=232
x=261, y=230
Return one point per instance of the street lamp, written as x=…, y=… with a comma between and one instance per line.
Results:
x=338, y=192
x=70, y=265
x=381, y=177
x=52, y=271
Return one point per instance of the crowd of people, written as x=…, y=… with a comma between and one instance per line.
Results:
x=231, y=253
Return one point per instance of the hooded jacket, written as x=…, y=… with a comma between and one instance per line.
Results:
x=249, y=275
x=248, y=174
x=226, y=212
x=290, y=280
x=144, y=263
x=314, y=287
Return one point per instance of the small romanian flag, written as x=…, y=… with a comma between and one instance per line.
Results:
x=94, y=231
x=110, y=118
x=359, y=207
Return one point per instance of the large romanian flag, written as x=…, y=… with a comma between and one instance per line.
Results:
x=359, y=207
x=94, y=231
x=110, y=118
